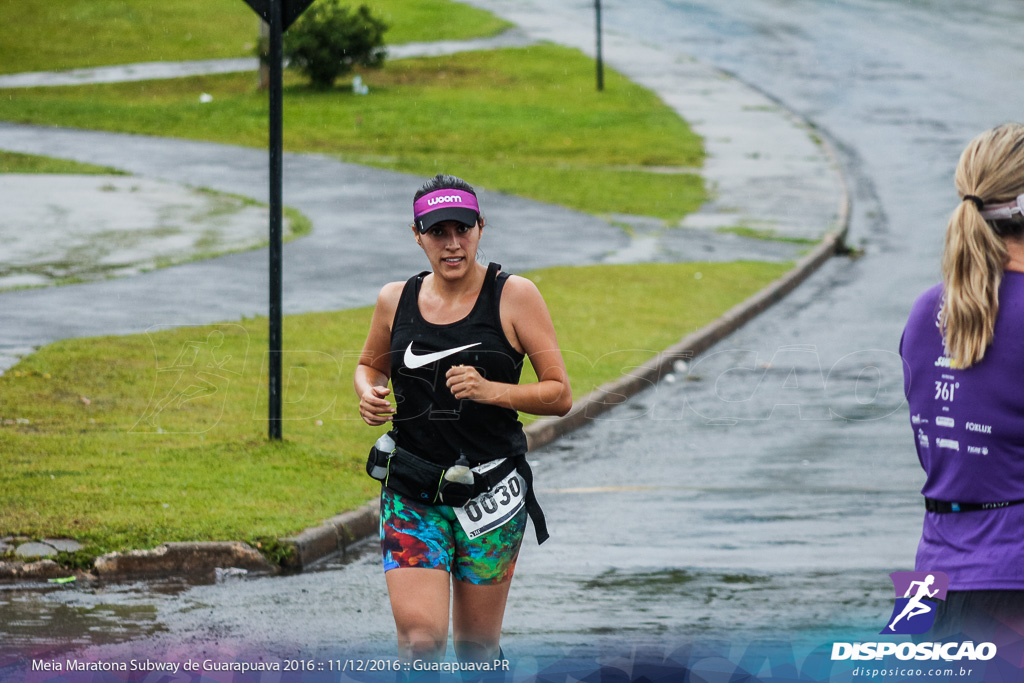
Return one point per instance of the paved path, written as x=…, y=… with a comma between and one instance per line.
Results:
x=763, y=167
x=148, y=71
x=87, y=228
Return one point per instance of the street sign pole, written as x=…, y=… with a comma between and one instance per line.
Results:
x=279, y=15
x=600, y=62
x=276, y=172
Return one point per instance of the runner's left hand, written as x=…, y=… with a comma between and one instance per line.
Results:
x=465, y=381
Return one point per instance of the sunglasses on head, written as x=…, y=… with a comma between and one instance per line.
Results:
x=998, y=212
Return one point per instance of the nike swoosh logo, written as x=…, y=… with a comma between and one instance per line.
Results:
x=413, y=361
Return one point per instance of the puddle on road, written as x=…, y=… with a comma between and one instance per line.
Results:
x=677, y=585
x=43, y=620
x=37, y=621
x=694, y=602
x=84, y=228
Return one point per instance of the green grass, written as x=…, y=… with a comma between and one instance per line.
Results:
x=93, y=448
x=13, y=162
x=43, y=35
x=524, y=121
x=416, y=21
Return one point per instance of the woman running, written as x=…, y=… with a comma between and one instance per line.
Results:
x=963, y=369
x=452, y=342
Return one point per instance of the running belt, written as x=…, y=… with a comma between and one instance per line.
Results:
x=943, y=506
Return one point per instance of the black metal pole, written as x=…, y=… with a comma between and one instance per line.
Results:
x=600, y=62
x=274, y=388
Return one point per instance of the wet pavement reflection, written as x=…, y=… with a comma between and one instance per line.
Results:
x=55, y=619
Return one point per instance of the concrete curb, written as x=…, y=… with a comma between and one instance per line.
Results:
x=191, y=559
x=198, y=560
x=40, y=570
x=333, y=536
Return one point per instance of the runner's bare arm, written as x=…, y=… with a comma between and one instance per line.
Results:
x=528, y=326
x=374, y=369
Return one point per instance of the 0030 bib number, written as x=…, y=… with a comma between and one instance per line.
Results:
x=493, y=508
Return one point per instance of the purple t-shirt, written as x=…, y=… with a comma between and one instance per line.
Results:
x=969, y=431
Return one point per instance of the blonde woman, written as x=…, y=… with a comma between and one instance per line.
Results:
x=963, y=351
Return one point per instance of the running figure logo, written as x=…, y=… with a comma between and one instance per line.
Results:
x=914, y=612
x=190, y=391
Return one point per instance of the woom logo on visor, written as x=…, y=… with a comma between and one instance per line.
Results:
x=434, y=201
x=445, y=205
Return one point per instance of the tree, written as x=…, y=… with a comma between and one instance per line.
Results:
x=330, y=39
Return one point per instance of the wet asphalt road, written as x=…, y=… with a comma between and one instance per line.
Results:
x=772, y=486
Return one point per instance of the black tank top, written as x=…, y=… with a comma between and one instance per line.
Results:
x=431, y=422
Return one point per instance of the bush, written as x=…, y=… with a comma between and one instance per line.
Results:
x=330, y=39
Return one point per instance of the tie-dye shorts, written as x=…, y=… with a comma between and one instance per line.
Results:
x=416, y=535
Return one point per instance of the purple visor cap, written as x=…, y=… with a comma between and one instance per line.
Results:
x=445, y=205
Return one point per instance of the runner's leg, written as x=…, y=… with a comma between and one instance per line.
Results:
x=481, y=576
x=417, y=547
x=419, y=602
x=477, y=613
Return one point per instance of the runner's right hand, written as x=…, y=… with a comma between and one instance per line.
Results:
x=374, y=408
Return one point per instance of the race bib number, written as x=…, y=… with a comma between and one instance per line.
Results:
x=495, y=507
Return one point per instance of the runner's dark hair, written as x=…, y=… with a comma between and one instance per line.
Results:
x=443, y=181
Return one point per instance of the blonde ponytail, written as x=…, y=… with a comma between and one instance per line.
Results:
x=991, y=170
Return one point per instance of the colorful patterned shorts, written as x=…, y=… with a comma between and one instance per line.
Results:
x=416, y=535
